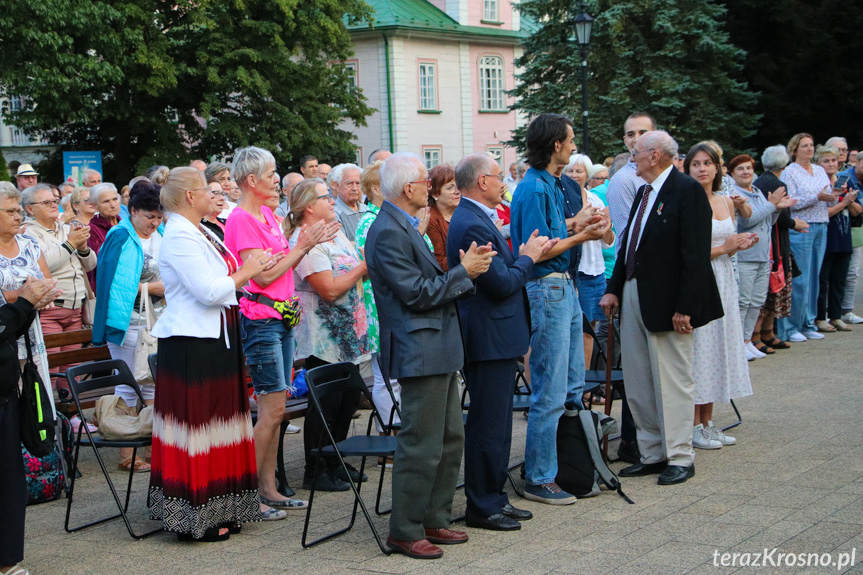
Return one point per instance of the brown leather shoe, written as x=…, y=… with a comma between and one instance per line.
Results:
x=446, y=536
x=421, y=549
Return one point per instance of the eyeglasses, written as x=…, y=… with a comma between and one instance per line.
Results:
x=47, y=203
x=498, y=176
x=215, y=193
x=635, y=152
x=329, y=198
x=427, y=182
x=597, y=178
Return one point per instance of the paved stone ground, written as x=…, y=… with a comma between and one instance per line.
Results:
x=794, y=481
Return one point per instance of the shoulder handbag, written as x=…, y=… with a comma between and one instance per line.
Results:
x=146, y=343
x=118, y=421
x=88, y=313
x=34, y=406
x=777, y=277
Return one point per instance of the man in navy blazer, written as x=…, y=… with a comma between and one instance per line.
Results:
x=495, y=329
x=421, y=347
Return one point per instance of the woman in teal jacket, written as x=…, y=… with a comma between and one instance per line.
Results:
x=128, y=260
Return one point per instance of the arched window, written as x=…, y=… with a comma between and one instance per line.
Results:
x=491, y=96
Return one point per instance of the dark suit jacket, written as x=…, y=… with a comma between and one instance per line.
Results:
x=672, y=262
x=415, y=298
x=494, y=321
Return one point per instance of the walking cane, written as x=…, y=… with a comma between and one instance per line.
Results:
x=609, y=394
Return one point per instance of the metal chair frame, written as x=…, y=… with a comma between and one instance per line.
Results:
x=119, y=375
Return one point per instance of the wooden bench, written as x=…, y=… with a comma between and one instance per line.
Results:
x=57, y=358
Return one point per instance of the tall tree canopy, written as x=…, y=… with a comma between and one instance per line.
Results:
x=803, y=57
x=147, y=81
x=671, y=58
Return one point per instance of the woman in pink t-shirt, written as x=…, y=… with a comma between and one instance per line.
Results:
x=267, y=343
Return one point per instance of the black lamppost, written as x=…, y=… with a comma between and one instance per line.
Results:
x=583, y=24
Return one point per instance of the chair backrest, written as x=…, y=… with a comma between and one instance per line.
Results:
x=151, y=361
x=335, y=378
x=100, y=376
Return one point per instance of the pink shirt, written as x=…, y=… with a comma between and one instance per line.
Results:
x=242, y=232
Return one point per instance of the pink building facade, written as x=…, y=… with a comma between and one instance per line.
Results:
x=437, y=73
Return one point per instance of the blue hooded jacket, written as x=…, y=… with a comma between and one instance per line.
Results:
x=121, y=260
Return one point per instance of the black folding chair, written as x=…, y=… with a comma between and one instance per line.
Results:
x=324, y=381
x=99, y=376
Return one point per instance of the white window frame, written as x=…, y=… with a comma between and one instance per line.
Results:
x=427, y=84
x=429, y=153
x=352, y=66
x=491, y=10
x=497, y=152
x=491, y=83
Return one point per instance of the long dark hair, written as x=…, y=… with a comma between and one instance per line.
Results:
x=714, y=157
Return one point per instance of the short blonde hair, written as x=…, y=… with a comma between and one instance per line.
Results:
x=825, y=150
x=75, y=197
x=178, y=181
x=371, y=176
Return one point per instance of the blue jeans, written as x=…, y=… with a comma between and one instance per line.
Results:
x=556, y=371
x=590, y=291
x=808, y=250
x=269, y=349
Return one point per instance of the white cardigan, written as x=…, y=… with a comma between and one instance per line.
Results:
x=197, y=285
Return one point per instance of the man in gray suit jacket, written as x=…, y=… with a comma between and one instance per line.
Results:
x=420, y=346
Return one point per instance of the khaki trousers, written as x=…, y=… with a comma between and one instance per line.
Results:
x=659, y=385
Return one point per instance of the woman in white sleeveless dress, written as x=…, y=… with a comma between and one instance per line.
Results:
x=718, y=359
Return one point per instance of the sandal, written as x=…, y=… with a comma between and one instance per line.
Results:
x=777, y=344
x=211, y=535
x=762, y=347
x=15, y=570
x=141, y=466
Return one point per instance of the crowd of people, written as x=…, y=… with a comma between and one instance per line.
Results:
x=393, y=267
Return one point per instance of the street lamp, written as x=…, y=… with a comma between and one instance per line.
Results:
x=583, y=25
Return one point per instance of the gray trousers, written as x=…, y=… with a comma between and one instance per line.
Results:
x=428, y=456
x=659, y=385
x=754, y=282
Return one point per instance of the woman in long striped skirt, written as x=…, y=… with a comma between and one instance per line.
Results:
x=203, y=484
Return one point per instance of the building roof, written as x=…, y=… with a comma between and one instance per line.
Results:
x=421, y=15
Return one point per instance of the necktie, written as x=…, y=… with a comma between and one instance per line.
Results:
x=636, y=230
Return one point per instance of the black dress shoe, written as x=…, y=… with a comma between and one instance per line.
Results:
x=674, y=474
x=496, y=522
x=355, y=474
x=628, y=451
x=516, y=513
x=640, y=469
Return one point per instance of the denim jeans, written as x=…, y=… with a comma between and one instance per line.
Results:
x=556, y=370
x=269, y=349
x=808, y=250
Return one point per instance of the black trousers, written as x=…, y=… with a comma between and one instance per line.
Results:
x=338, y=409
x=488, y=434
x=13, y=485
x=834, y=272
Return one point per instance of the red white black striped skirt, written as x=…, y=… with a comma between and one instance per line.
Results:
x=204, y=472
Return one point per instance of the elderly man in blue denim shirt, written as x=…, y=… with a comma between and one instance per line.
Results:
x=557, y=352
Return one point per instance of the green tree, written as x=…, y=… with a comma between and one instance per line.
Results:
x=802, y=56
x=4, y=173
x=671, y=58
x=147, y=81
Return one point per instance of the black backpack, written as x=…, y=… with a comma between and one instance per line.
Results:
x=580, y=466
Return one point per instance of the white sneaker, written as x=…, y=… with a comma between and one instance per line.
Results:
x=797, y=337
x=292, y=429
x=718, y=435
x=852, y=317
x=701, y=439
x=754, y=350
x=749, y=355
x=813, y=335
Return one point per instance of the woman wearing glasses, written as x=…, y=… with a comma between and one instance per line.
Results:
x=82, y=208
x=334, y=326
x=68, y=259
x=213, y=221
x=268, y=343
